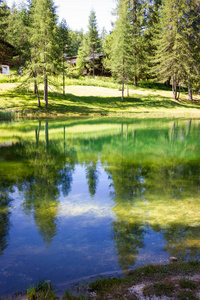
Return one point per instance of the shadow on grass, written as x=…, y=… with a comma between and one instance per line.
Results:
x=22, y=100
x=154, y=85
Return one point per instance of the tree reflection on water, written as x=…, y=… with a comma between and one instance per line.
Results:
x=154, y=172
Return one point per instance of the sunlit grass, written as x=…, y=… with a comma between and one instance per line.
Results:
x=90, y=96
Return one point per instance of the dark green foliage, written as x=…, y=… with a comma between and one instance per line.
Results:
x=18, y=34
x=4, y=13
x=44, y=43
x=104, y=283
x=93, y=40
x=122, y=56
x=187, y=284
x=74, y=42
x=63, y=44
x=177, y=43
x=159, y=289
x=186, y=295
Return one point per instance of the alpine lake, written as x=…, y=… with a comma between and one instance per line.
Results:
x=84, y=197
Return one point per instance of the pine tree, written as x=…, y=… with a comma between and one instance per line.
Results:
x=44, y=42
x=63, y=30
x=4, y=13
x=178, y=41
x=82, y=55
x=191, y=44
x=17, y=32
x=74, y=42
x=151, y=28
x=93, y=38
x=136, y=21
x=122, y=55
x=107, y=51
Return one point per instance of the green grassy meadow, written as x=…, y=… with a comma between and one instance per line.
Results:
x=88, y=96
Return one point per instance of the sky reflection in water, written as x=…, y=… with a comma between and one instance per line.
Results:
x=81, y=198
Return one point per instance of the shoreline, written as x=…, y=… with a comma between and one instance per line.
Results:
x=168, y=281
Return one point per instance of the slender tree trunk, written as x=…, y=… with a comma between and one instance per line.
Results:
x=189, y=57
x=123, y=82
x=178, y=90
x=45, y=74
x=38, y=97
x=63, y=77
x=93, y=59
x=135, y=38
x=167, y=82
x=122, y=91
x=135, y=80
x=36, y=89
x=174, y=86
x=189, y=89
x=45, y=88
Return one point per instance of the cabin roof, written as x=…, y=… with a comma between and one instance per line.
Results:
x=73, y=59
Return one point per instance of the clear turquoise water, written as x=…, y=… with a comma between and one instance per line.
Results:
x=84, y=197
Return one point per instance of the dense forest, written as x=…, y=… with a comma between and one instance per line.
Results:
x=150, y=40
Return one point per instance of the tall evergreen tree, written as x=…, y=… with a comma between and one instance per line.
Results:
x=44, y=41
x=178, y=41
x=93, y=38
x=63, y=30
x=136, y=20
x=152, y=26
x=190, y=32
x=82, y=55
x=17, y=32
x=122, y=55
x=4, y=13
x=74, y=41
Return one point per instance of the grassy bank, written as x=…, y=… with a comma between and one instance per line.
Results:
x=94, y=97
x=175, y=281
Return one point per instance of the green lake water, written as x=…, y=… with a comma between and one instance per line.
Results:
x=81, y=197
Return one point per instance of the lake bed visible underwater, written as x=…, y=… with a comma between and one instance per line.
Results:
x=80, y=197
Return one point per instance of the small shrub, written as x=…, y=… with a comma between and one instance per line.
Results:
x=44, y=290
x=104, y=283
x=31, y=292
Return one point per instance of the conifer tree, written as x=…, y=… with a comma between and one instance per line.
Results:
x=4, y=13
x=63, y=43
x=122, y=55
x=178, y=41
x=82, y=55
x=151, y=28
x=17, y=32
x=93, y=38
x=190, y=31
x=136, y=21
x=75, y=38
x=44, y=42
